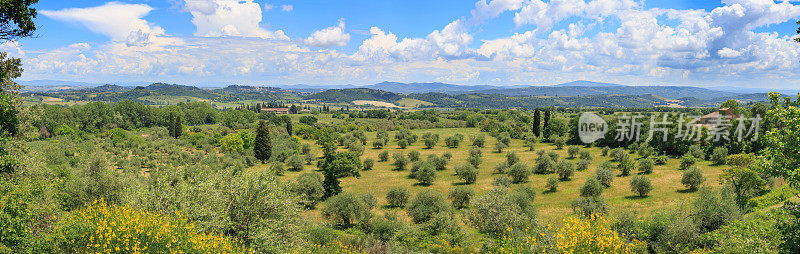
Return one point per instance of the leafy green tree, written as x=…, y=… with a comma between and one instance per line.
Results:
x=426, y=174
x=512, y=158
x=743, y=176
x=232, y=143
x=428, y=204
x=687, y=161
x=467, y=172
x=592, y=188
x=552, y=184
x=641, y=185
x=369, y=163
x=479, y=140
x=719, y=156
x=397, y=196
x=605, y=174
x=646, y=165
x=295, y=162
x=573, y=151
x=499, y=209
x=537, y=119
x=346, y=209
x=519, y=173
x=400, y=161
x=565, y=169
x=383, y=156
x=336, y=165
x=262, y=147
x=626, y=165
x=692, y=178
x=309, y=186
x=461, y=196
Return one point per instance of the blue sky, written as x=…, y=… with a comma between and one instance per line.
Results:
x=745, y=43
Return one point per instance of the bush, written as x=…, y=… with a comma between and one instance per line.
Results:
x=591, y=234
x=692, y=178
x=413, y=156
x=687, y=161
x=402, y=144
x=720, y=156
x=500, y=209
x=378, y=143
x=660, y=160
x=626, y=165
x=475, y=160
x=501, y=181
x=295, y=163
x=400, y=161
x=475, y=152
x=605, y=175
x=454, y=141
x=586, y=155
x=499, y=146
x=479, y=140
x=383, y=156
x=519, y=173
x=641, y=185
x=588, y=206
x=101, y=228
x=645, y=151
x=426, y=205
x=501, y=167
x=467, y=172
x=573, y=151
x=512, y=158
x=426, y=174
x=439, y=163
x=544, y=165
x=277, y=168
x=760, y=233
x=617, y=154
x=565, y=169
x=591, y=188
x=697, y=152
x=583, y=165
x=310, y=189
x=430, y=140
x=552, y=184
x=604, y=151
x=560, y=142
x=715, y=209
x=397, y=197
x=646, y=165
x=461, y=196
x=369, y=163
x=346, y=209
x=447, y=155
x=369, y=200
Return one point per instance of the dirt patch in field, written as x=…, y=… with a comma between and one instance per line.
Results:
x=376, y=103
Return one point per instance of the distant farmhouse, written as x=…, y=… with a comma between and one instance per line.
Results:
x=276, y=110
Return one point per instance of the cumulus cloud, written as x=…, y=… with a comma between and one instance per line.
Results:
x=119, y=21
x=217, y=18
x=329, y=37
x=287, y=7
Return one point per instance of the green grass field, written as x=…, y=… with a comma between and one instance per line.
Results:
x=667, y=191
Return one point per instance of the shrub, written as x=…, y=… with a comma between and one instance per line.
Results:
x=101, y=228
x=604, y=151
x=369, y=200
x=645, y=151
x=277, y=168
x=660, y=160
x=346, y=209
x=583, y=165
x=589, y=206
x=369, y=163
x=573, y=151
x=309, y=158
x=715, y=209
x=454, y=141
x=519, y=173
x=397, y=197
x=383, y=156
x=565, y=169
x=501, y=181
x=544, y=165
x=461, y=196
x=475, y=160
x=500, y=209
x=447, y=155
x=553, y=155
x=430, y=139
x=295, y=163
x=720, y=156
x=501, y=167
x=591, y=188
x=479, y=140
x=687, y=161
x=692, y=178
x=591, y=234
x=499, y=146
x=512, y=158
x=378, y=143
x=617, y=154
x=540, y=153
x=426, y=174
x=552, y=184
x=439, y=163
x=697, y=152
x=309, y=187
x=400, y=161
x=402, y=144
x=586, y=155
x=626, y=165
x=467, y=172
x=646, y=165
x=475, y=152
x=605, y=174
x=426, y=205
x=760, y=233
x=560, y=142
x=413, y=155
x=641, y=185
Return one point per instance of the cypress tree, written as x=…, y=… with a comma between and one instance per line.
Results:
x=171, y=124
x=537, y=118
x=178, y=126
x=289, y=127
x=262, y=149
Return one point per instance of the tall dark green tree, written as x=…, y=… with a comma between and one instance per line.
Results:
x=289, y=127
x=262, y=147
x=171, y=124
x=537, y=119
x=177, y=126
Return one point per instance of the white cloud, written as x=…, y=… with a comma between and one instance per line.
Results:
x=13, y=48
x=287, y=7
x=329, y=37
x=268, y=7
x=119, y=21
x=217, y=18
